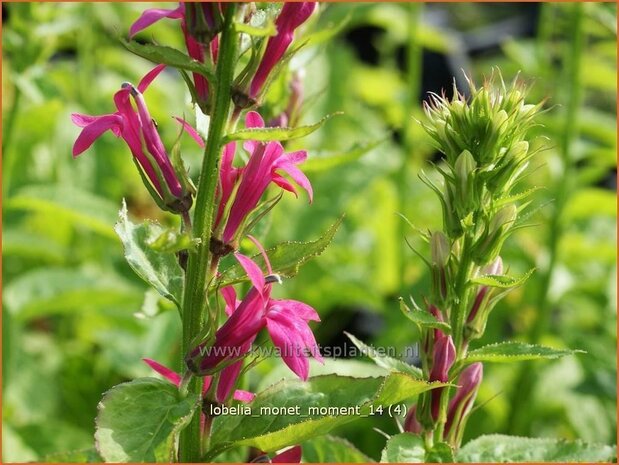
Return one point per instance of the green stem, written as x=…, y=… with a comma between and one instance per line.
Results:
x=195, y=298
x=573, y=57
x=459, y=306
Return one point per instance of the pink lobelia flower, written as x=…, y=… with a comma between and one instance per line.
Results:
x=241, y=189
x=293, y=14
x=285, y=320
x=175, y=378
x=138, y=130
x=195, y=47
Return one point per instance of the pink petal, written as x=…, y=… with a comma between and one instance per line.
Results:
x=254, y=273
x=292, y=455
x=299, y=309
x=229, y=295
x=284, y=183
x=244, y=396
x=285, y=338
x=168, y=374
x=149, y=17
x=191, y=131
x=297, y=175
x=253, y=120
x=93, y=131
x=82, y=120
x=262, y=252
x=206, y=384
x=297, y=157
x=150, y=77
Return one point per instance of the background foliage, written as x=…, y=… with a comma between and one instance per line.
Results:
x=77, y=321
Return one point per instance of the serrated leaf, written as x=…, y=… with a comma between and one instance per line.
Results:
x=441, y=452
x=424, y=319
x=332, y=449
x=515, y=351
x=503, y=448
x=69, y=204
x=271, y=432
x=137, y=421
x=160, y=269
x=285, y=258
x=384, y=361
x=502, y=281
x=169, y=56
x=279, y=134
x=403, y=448
x=515, y=197
x=328, y=162
x=172, y=241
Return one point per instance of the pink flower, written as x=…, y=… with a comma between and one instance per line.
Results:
x=175, y=378
x=461, y=404
x=139, y=132
x=293, y=14
x=411, y=424
x=195, y=48
x=266, y=163
x=285, y=320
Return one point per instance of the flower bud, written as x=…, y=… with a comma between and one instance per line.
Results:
x=518, y=151
x=460, y=405
x=441, y=249
x=478, y=315
x=504, y=218
x=411, y=424
x=444, y=355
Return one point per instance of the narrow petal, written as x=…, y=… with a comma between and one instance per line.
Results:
x=82, y=120
x=93, y=131
x=297, y=157
x=284, y=340
x=254, y=273
x=244, y=396
x=206, y=383
x=292, y=455
x=229, y=295
x=168, y=374
x=191, y=131
x=297, y=175
x=262, y=252
x=150, y=77
x=149, y=17
x=284, y=184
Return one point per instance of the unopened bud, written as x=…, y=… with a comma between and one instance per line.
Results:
x=519, y=150
x=460, y=406
x=440, y=248
x=504, y=218
x=411, y=424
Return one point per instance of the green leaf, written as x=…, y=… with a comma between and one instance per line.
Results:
x=137, y=421
x=268, y=30
x=316, y=164
x=279, y=134
x=160, y=269
x=269, y=431
x=424, y=319
x=169, y=56
x=502, y=281
x=48, y=291
x=332, y=449
x=285, y=258
x=403, y=448
x=515, y=351
x=172, y=241
x=69, y=204
x=502, y=448
x=89, y=455
x=440, y=453
x=384, y=361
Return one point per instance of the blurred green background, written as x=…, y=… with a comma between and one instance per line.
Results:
x=77, y=321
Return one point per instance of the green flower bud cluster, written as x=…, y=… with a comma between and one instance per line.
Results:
x=486, y=152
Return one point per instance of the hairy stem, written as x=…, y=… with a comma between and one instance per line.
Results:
x=195, y=298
